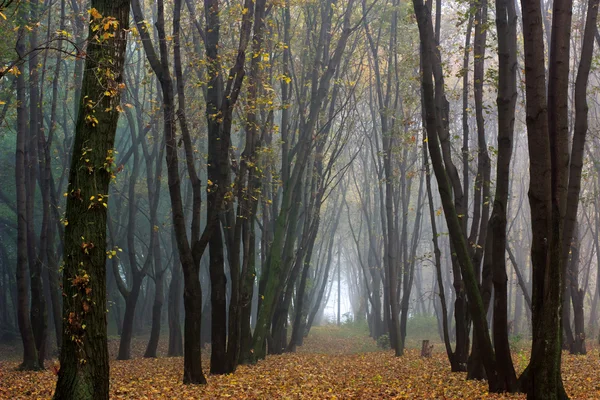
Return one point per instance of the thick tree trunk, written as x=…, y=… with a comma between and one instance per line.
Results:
x=192, y=348
x=547, y=129
x=84, y=365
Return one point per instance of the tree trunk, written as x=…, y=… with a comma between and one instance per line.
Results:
x=39, y=315
x=190, y=251
x=577, y=296
x=506, y=23
x=175, y=295
x=30, y=356
x=575, y=168
x=84, y=369
x=273, y=270
x=433, y=124
x=547, y=129
x=409, y=276
x=218, y=297
x=156, y=315
x=128, y=320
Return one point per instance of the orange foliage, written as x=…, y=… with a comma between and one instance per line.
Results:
x=325, y=368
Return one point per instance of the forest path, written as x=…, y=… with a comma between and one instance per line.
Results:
x=334, y=363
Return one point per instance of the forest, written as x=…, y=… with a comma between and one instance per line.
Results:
x=326, y=199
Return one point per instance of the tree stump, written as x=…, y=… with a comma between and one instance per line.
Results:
x=426, y=349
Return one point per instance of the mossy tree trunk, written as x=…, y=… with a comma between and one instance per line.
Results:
x=84, y=371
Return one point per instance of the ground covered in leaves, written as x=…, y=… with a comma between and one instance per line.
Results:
x=334, y=363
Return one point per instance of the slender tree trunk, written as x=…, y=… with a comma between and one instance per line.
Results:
x=175, y=295
x=479, y=227
x=575, y=168
x=506, y=24
x=218, y=295
x=408, y=279
x=274, y=268
x=156, y=314
x=129, y=317
x=433, y=124
x=51, y=251
x=30, y=357
x=190, y=251
x=438, y=264
x=577, y=296
x=39, y=313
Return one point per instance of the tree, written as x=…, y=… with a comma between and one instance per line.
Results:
x=506, y=25
x=434, y=124
x=190, y=251
x=30, y=357
x=84, y=355
x=547, y=132
x=577, y=345
x=280, y=253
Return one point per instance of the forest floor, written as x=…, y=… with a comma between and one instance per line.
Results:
x=334, y=363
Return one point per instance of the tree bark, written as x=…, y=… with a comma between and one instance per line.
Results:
x=175, y=295
x=84, y=370
x=575, y=168
x=506, y=25
x=39, y=315
x=30, y=356
x=547, y=129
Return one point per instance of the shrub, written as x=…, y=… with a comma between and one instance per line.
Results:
x=383, y=342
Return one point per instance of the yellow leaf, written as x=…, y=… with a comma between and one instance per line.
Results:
x=95, y=14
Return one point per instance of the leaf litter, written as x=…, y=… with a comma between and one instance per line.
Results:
x=326, y=367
